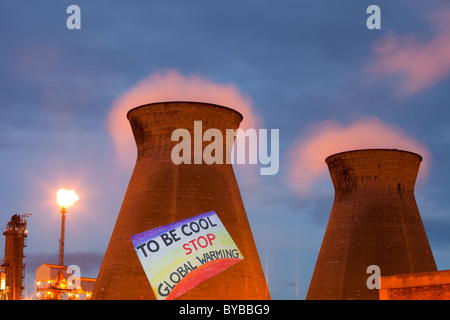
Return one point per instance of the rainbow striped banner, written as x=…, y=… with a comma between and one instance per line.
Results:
x=179, y=256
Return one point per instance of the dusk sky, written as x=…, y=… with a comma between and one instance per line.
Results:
x=311, y=69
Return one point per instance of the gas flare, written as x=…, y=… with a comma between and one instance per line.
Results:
x=66, y=198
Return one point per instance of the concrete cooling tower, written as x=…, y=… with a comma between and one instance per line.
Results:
x=161, y=192
x=374, y=221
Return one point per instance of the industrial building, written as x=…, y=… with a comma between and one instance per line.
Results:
x=12, y=272
x=434, y=285
x=59, y=282
x=54, y=282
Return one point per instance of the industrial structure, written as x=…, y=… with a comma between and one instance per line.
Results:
x=162, y=192
x=12, y=272
x=374, y=221
x=434, y=285
x=57, y=282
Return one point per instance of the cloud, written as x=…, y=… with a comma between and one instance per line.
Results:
x=306, y=156
x=170, y=85
x=419, y=64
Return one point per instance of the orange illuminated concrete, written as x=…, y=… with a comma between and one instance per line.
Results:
x=416, y=286
x=161, y=192
x=374, y=221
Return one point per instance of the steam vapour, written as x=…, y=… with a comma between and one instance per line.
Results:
x=170, y=85
x=306, y=157
x=418, y=64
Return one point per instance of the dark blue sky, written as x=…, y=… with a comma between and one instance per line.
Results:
x=303, y=64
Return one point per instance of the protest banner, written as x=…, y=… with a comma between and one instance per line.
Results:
x=179, y=256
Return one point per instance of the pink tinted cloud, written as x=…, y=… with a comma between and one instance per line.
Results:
x=306, y=157
x=171, y=85
x=420, y=64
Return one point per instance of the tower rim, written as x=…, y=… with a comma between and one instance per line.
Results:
x=331, y=157
x=183, y=102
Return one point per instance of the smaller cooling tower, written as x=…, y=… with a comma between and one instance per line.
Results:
x=374, y=221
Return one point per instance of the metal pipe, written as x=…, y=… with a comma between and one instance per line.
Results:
x=61, y=241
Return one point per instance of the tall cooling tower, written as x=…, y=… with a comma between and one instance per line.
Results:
x=161, y=192
x=374, y=221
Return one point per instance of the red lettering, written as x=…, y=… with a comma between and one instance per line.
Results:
x=203, y=243
x=192, y=241
x=211, y=237
x=186, y=247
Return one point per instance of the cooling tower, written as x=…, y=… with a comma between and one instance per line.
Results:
x=374, y=221
x=161, y=192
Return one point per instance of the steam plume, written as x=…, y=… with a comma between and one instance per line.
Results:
x=418, y=64
x=306, y=156
x=170, y=85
